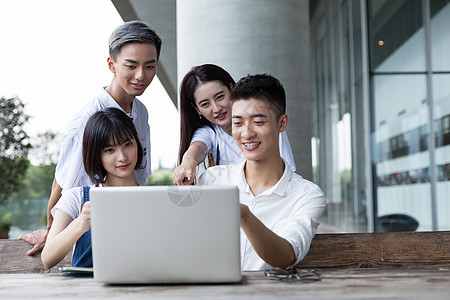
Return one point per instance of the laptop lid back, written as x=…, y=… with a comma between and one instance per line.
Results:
x=165, y=234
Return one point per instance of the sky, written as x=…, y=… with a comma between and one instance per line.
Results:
x=53, y=57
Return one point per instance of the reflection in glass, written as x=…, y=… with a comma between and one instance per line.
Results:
x=441, y=112
x=401, y=165
x=333, y=83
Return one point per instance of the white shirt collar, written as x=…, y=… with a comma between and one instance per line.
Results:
x=279, y=188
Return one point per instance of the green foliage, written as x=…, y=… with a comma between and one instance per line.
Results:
x=36, y=188
x=38, y=179
x=37, y=182
x=14, y=147
x=23, y=218
x=6, y=221
x=160, y=177
x=43, y=218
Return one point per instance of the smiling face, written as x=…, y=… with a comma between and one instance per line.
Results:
x=212, y=100
x=119, y=161
x=134, y=69
x=256, y=129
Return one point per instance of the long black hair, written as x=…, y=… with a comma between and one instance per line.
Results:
x=189, y=118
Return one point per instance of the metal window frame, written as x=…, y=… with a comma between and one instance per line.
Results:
x=432, y=135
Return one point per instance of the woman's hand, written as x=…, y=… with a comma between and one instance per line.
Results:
x=84, y=219
x=184, y=174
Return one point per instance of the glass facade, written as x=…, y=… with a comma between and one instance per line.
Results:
x=381, y=92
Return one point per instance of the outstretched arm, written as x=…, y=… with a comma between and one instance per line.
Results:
x=54, y=198
x=273, y=249
x=37, y=238
x=63, y=235
x=185, y=173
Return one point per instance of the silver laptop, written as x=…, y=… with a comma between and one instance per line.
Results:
x=165, y=234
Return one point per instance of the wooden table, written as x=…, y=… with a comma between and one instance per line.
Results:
x=421, y=283
x=397, y=265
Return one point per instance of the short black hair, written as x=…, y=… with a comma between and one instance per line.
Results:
x=262, y=87
x=133, y=32
x=102, y=126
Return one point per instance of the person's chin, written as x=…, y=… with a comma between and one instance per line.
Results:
x=251, y=155
x=137, y=92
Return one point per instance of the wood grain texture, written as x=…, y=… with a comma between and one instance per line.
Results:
x=14, y=259
x=335, y=284
x=379, y=250
x=328, y=251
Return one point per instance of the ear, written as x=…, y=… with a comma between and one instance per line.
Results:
x=111, y=65
x=231, y=87
x=282, y=123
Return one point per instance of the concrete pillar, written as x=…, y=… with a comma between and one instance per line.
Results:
x=249, y=37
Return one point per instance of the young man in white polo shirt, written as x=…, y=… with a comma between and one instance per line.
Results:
x=134, y=50
x=280, y=210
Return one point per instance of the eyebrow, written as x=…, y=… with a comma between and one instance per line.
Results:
x=258, y=116
x=251, y=116
x=135, y=62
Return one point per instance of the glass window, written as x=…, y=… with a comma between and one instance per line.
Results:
x=402, y=183
x=331, y=40
x=441, y=112
x=440, y=39
x=397, y=39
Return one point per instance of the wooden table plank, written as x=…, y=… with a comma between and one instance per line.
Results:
x=14, y=258
x=348, y=250
x=379, y=250
x=336, y=284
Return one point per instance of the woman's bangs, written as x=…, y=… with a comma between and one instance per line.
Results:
x=120, y=136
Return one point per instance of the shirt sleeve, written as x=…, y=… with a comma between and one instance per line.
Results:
x=70, y=170
x=70, y=202
x=206, y=178
x=144, y=138
x=300, y=228
x=205, y=135
x=286, y=150
x=217, y=175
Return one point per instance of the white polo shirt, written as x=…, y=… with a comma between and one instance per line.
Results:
x=291, y=209
x=229, y=152
x=70, y=169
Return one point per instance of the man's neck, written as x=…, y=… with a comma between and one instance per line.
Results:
x=227, y=129
x=124, y=100
x=262, y=175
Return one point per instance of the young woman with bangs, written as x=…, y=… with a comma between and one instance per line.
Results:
x=111, y=153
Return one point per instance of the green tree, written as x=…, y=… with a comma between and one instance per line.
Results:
x=160, y=177
x=37, y=182
x=28, y=211
x=14, y=146
x=39, y=179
